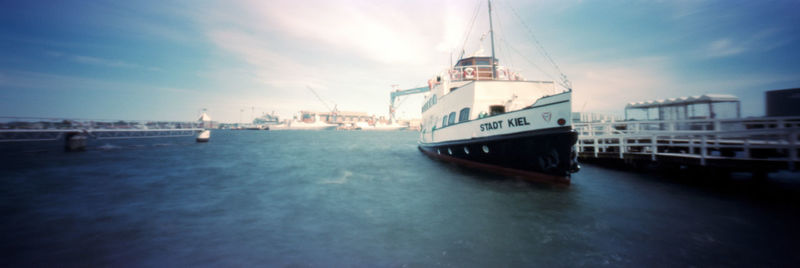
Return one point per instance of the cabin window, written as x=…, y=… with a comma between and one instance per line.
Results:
x=451, y=118
x=430, y=102
x=496, y=109
x=463, y=115
x=483, y=62
x=444, y=121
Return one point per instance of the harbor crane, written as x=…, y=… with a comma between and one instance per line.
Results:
x=333, y=111
x=397, y=92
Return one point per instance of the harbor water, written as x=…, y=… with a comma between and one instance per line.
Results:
x=356, y=198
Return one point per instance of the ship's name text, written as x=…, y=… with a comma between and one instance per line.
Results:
x=513, y=122
x=517, y=122
x=491, y=125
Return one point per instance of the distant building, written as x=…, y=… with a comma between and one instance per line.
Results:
x=336, y=117
x=344, y=117
x=783, y=102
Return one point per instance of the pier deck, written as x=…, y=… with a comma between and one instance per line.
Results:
x=16, y=129
x=752, y=144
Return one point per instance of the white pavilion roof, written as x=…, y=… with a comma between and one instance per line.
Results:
x=706, y=98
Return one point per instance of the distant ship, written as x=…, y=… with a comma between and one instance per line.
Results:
x=379, y=126
x=307, y=121
x=482, y=115
x=267, y=119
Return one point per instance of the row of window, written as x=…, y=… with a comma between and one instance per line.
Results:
x=450, y=119
x=431, y=101
x=463, y=115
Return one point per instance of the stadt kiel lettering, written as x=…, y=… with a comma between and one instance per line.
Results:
x=513, y=122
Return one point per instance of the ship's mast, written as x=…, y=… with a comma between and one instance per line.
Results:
x=491, y=33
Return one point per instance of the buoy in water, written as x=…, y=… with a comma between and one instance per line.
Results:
x=204, y=136
x=75, y=142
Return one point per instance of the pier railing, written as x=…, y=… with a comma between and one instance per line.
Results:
x=765, y=142
x=44, y=129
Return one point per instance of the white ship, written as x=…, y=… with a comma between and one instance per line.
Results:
x=381, y=126
x=306, y=122
x=482, y=115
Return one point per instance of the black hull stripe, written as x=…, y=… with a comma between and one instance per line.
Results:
x=528, y=175
x=549, y=153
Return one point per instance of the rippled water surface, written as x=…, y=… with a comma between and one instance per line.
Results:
x=334, y=198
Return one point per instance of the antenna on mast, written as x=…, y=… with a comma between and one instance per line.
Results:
x=491, y=32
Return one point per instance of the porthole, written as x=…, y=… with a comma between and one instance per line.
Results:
x=485, y=149
x=466, y=150
x=450, y=152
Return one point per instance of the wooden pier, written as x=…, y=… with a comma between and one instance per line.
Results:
x=76, y=132
x=751, y=144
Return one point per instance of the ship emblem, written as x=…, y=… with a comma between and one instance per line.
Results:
x=546, y=116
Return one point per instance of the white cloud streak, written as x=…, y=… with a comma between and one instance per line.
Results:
x=97, y=61
x=761, y=41
x=608, y=86
x=723, y=48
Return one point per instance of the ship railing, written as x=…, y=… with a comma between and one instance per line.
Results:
x=481, y=72
x=761, y=139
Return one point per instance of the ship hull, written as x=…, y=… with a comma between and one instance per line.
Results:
x=540, y=155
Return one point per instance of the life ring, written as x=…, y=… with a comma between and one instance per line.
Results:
x=468, y=73
x=502, y=73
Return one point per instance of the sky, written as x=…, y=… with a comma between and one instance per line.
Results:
x=168, y=60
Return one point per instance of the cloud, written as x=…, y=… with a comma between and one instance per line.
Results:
x=97, y=61
x=681, y=9
x=383, y=32
x=361, y=28
x=266, y=65
x=761, y=41
x=608, y=86
x=39, y=80
x=250, y=49
x=723, y=48
x=349, y=52
x=102, y=62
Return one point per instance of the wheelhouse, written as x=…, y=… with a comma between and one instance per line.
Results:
x=473, y=68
